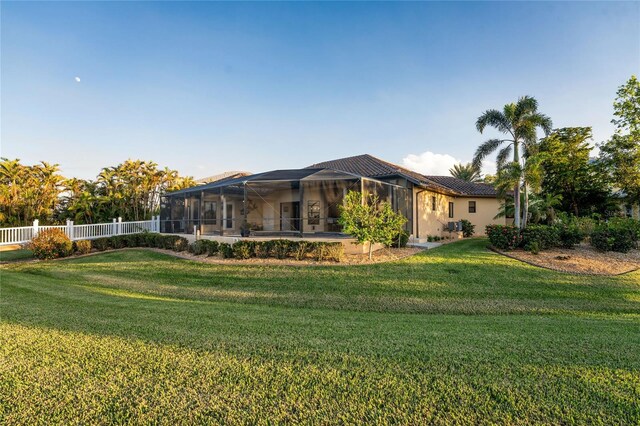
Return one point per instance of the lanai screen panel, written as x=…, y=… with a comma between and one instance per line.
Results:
x=172, y=215
x=272, y=206
x=322, y=197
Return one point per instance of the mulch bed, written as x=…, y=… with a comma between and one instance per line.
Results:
x=584, y=259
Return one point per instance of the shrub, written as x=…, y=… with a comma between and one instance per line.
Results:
x=281, y=249
x=117, y=242
x=468, y=228
x=334, y=251
x=82, y=246
x=212, y=248
x=569, y=235
x=617, y=235
x=168, y=241
x=51, y=244
x=226, y=250
x=199, y=247
x=504, y=237
x=401, y=239
x=600, y=238
x=544, y=235
x=243, y=249
x=534, y=247
x=101, y=244
x=150, y=239
x=263, y=249
x=585, y=225
x=134, y=240
x=180, y=244
x=302, y=249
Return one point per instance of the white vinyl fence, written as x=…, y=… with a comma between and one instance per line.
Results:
x=24, y=234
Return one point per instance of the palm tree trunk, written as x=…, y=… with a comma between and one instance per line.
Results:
x=525, y=215
x=516, y=189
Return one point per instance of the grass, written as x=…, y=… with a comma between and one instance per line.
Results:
x=456, y=335
x=11, y=255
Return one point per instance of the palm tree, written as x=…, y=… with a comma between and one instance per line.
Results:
x=519, y=122
x=466, y=172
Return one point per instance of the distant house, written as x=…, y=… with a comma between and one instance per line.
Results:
x=306, y=201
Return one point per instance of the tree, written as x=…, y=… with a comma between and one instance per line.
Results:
x=370, y=220
x=621, y=154
x=28, y=192
x=568, y=171
x=131, y=190
x=466, y=172
x=519, y=122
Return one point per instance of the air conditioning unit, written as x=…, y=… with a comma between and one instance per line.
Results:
x=451, y=226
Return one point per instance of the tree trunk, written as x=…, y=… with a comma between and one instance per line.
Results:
x=516, y=189
x=525, y=213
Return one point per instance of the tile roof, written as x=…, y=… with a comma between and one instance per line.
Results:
x=464, y=187
x=370, y=166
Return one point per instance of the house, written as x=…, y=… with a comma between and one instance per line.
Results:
x=305, y=202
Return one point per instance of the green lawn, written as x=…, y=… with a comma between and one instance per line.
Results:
x=456, y=335
x=12, y=255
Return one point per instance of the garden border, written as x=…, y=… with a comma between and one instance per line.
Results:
x=505, y=254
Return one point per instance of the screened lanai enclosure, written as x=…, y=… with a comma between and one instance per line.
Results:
x=301, y=202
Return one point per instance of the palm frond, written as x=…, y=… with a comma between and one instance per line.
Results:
x=503, y=155
x=493, y=118
x=542, y=121
x=526, y=105
x=484, y=150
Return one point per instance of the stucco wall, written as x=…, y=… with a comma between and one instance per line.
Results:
x=432, y=222
x=486, y=209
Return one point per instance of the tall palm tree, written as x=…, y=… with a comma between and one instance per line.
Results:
x=466, y=172
x=519, y=123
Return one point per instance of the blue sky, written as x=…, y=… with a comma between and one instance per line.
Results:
x=208, y=87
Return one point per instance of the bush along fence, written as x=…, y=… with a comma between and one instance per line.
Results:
x=619, y=235
x=24, y=234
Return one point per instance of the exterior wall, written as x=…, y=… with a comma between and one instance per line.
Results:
x=433, y=222
x=428, y=221
x=486, y=209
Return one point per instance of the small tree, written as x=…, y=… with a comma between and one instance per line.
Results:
x=370, y=220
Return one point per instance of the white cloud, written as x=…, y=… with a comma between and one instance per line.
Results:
x=77, y=79
x=430, y=163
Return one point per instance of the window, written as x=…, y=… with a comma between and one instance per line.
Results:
x=450, y=209
x=433, y=203
x=209, y=214
x=472, y=206
x=313, y=212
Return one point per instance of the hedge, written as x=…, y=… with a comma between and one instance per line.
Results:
x=534, y=237
x=244, y=249
x=619, y=235
x=504, y=237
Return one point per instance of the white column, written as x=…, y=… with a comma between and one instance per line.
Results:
x=114, y=227
x=35, y=227
x=119, y=225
